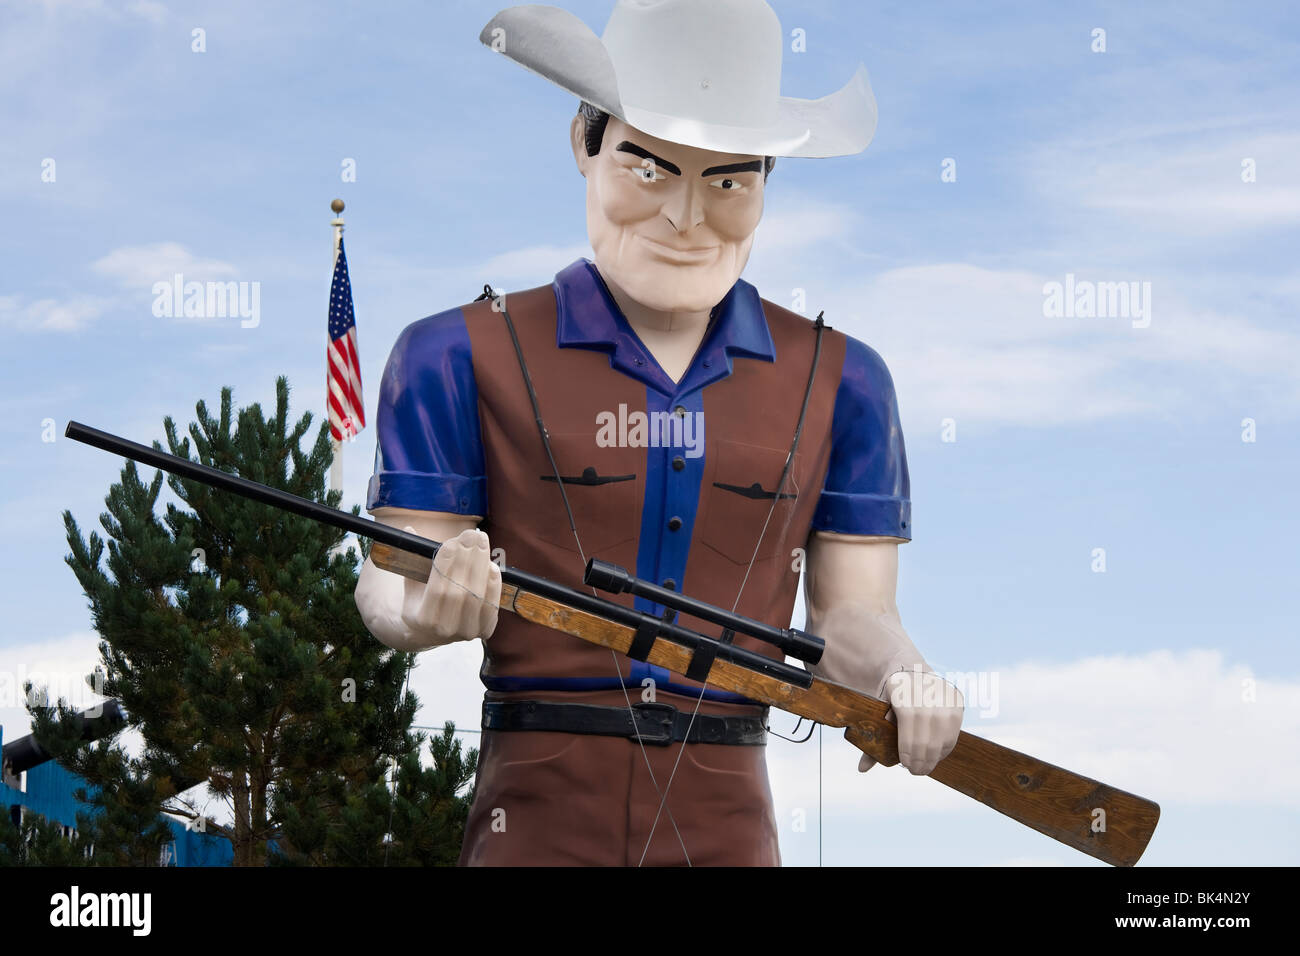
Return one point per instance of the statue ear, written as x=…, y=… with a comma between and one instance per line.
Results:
x=578, y=140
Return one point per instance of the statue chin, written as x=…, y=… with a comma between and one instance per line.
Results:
x=661, y=300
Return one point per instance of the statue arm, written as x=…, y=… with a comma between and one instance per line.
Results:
x=850, y=590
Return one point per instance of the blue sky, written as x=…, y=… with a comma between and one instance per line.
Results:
x=1173, y=673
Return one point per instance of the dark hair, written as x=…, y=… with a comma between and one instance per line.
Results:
x=594, y=121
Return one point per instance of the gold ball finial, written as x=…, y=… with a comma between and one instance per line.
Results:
x=337, y=206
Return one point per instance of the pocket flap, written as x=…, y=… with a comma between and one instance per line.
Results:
x=741, y=485
x=604, y=487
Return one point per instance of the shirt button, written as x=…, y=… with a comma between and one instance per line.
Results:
x=674, y=523
x=670, y=584
x=679, y=463
x=680, y=411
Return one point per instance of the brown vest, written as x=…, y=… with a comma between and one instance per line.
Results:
x=750, y=417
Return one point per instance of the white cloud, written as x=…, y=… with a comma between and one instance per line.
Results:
x=1171, y=726
x=148, y=9
x=139, y=267
x=78, y=6
x=535, y=265
x=446, y=681
x=1183, y=180
x=798, y=222
x=973, y=343
x=60, y=665
x=134, y=268
x=50, y=315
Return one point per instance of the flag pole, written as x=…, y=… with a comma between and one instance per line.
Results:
x=336, y=468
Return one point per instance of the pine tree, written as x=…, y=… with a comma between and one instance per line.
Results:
x=231, y=637
x=40, y=842
x=422, y=826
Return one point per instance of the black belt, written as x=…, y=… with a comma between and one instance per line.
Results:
x=655, y=723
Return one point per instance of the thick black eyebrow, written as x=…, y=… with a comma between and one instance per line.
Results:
x=753, y=166
x=636, y=150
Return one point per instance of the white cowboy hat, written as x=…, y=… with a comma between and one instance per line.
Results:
x=704, y=74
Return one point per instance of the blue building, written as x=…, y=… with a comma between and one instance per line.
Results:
x=48, y=789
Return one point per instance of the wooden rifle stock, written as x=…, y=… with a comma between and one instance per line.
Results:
x=1062, y=805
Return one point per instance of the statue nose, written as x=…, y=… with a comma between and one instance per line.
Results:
x=685, y=209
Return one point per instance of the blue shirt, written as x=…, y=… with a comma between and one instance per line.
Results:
x=429, y=455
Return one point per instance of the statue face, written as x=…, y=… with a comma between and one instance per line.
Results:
x=671, y=225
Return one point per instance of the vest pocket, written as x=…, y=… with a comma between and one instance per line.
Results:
x=604, y=487
x=738, y=491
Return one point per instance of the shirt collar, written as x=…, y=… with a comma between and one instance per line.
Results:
x=588, y=317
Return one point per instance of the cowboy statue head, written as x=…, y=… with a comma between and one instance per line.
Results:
x=681, y=120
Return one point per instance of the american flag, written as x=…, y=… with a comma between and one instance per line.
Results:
x=347, y=413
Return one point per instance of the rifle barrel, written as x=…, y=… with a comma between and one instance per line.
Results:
x=208, y=475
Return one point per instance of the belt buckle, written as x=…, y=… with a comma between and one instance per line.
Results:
x=660, y=717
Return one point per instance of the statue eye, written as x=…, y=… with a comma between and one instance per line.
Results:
x=726, y=184
x=647, y=172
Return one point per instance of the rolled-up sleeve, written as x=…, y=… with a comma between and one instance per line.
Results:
x=429, y=450
x=867, y=489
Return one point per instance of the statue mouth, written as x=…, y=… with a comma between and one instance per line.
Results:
x=696, y=255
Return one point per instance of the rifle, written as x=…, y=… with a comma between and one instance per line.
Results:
x=1109, y=824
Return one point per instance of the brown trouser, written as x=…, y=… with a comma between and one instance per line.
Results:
x=557, y=799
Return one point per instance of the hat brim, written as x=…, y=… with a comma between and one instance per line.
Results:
x=559, y=47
